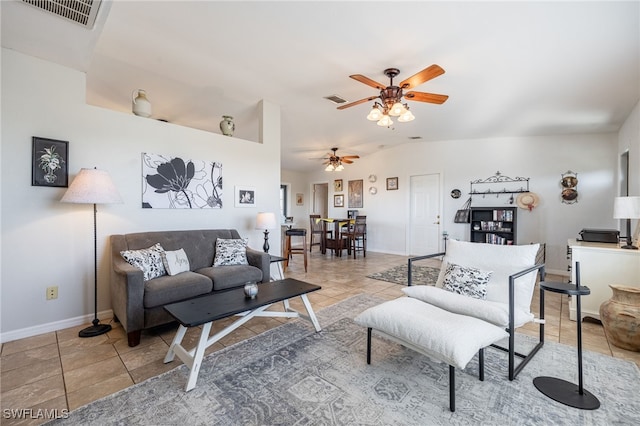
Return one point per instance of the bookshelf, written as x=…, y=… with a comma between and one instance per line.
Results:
x=493, y=225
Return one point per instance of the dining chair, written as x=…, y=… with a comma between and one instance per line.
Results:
x=317, y=229
x=357, y=238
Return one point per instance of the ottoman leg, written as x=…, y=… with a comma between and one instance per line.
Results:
x=452, y=388
x=481, y=364
x=369, y=345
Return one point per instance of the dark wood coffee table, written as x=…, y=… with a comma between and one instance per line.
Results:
x=204, y=310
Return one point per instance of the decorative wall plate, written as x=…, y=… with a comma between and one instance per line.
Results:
x=373, y=178
x=456, y=193
x=373, y=190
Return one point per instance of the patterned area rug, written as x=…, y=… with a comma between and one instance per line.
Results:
x=420, y=275
x=292, y=375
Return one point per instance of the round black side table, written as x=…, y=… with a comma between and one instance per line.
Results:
x=561, y=390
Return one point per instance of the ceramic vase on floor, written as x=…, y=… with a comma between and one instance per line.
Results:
x=140, y=105
x=227, y=126
x=620, y=317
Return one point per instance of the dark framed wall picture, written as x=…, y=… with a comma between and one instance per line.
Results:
x=299, y=199
x=355, y=193
x=338, y=200
x=245, y=196
x=49, y=162
x=392, y=183
x=337, y=185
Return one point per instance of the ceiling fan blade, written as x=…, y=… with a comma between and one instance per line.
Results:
x=425, y=75
x=350, y=156
x=426, y=97
x=361, y=101
x=366, y=80
x=346, y=160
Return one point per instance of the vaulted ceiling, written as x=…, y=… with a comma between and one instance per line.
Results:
x=512, y=68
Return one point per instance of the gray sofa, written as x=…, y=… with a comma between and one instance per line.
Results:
x=138, y=304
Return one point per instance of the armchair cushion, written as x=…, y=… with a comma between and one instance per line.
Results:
x=149, y=260
x=470, y=282
x=503, y=261
x=494, y=312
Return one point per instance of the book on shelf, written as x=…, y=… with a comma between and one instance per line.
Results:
x=503, y=215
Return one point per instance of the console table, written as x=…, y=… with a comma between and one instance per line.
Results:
x=602, y=264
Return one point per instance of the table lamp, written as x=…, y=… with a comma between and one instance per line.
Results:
x=93, y=186
x=266, y=221
x=627, y=208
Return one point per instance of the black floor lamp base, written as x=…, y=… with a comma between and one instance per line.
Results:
x=95, y=330
x=566, y=393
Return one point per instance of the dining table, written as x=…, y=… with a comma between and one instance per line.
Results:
x=338, y=242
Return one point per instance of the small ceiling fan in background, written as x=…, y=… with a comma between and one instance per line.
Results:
x=334, y=162
x=391, y=102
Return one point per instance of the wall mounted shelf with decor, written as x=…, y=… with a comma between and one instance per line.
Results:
x=491, y=185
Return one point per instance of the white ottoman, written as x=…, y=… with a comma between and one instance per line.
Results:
x=427, y=329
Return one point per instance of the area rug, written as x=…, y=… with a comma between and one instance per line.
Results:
x=291, y=375
x=420, y=275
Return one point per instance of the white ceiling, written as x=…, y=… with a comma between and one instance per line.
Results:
x=512, y=68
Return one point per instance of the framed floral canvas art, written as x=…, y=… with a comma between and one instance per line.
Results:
x=49, y=162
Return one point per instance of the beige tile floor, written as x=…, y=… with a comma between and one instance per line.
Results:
x=60, y=371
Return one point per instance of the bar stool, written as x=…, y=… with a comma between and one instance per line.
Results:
x=289, y=250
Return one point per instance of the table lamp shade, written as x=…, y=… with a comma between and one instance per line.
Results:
x=626, y=208
x=266, y=220
x=92, y=186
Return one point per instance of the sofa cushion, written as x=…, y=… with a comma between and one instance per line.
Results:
x=494, y=312
x=470, y=282
x=167, y=289
x=175, y=261
x=149, y=260
x=231, y=252
x=231, y=275
x=503, y=261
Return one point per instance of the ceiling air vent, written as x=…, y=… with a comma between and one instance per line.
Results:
x=335, y=99
x=82, y=12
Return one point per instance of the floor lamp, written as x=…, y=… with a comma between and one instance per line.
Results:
x=627, y=208
x=93, y=186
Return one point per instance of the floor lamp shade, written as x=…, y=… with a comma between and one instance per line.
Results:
x=93, y=186
x=627, y=208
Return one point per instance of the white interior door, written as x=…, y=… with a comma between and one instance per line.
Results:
x=424, y=221
x=320, y=199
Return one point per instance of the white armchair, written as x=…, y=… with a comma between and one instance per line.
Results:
x=506, y=277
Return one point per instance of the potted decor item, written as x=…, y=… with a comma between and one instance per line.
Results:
x=140, y=105
x=251, y=289
x=227, y=125
x=620, y=317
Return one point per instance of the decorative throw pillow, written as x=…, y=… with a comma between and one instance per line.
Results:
x=231, y=251
x=149, y=260
x=175, y=261
x=466, y=281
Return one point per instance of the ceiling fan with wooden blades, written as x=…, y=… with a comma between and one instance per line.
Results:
x=391, y=96
x=334, y=162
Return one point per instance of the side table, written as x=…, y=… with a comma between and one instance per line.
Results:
x=557, y=389
x=278, y=260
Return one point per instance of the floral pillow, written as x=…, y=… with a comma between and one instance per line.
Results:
x=149, y=260
x=466, y=281
x=231, y=252
x=175, y=261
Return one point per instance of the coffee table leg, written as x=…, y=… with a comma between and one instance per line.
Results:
x=177, y=340
x=312, y=315
x=198, y=356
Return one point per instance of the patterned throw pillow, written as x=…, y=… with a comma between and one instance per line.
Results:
x=231, y=252
x=466, y=281
x=149, y=260
x=175, y=261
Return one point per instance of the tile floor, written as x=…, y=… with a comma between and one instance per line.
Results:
x=60, y=371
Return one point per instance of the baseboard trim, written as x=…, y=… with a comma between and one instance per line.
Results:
x=53, y=326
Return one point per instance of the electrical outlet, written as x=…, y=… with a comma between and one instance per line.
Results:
x=52, y=292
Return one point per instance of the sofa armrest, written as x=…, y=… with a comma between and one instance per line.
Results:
x=127, y=289
x=260, y=260
x=416, y=258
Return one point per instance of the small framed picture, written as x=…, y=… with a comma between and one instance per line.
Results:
x=49, y=162
x=299, y=199
x=245, y=196
x=337, y=185
x=338, y=200
x=392, y=183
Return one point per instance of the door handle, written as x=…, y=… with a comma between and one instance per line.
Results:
x=436, y=223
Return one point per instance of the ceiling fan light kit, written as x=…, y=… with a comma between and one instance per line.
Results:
x=334, y=162
x=391, y=104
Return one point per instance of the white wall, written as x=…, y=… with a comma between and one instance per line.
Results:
x=46, y=243
x=542, y=159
